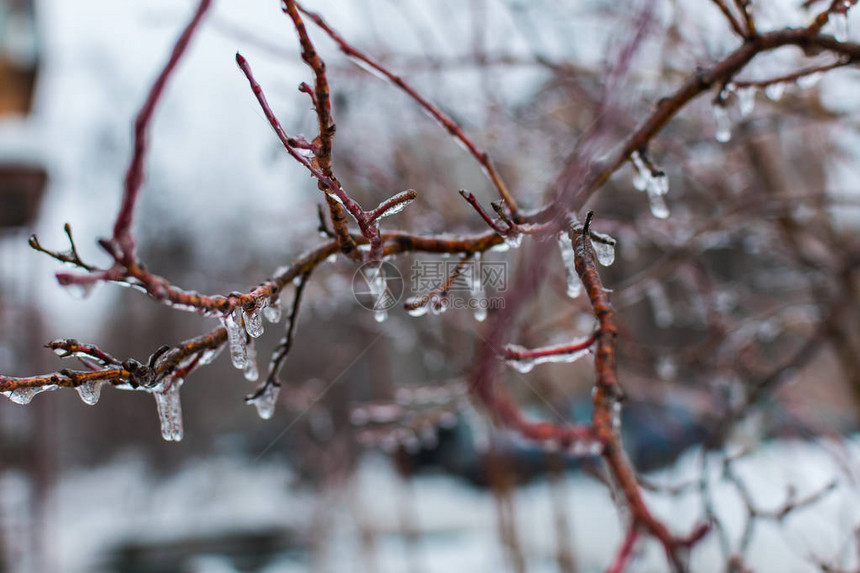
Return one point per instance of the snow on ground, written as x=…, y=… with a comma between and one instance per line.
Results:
x=91, y=512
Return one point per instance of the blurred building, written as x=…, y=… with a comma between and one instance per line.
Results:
x=23, y=432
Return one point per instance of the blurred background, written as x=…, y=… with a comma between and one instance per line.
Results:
x=740, y=316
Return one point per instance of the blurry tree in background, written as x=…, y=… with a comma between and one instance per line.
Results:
x=653, y=246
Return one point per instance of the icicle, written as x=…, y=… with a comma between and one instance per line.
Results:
x=545, y=354
x=398, y=206
x=840, y=25
x=723, y=132
x=746, y=100
x=254, y=319
x=574, y=285
x=265, y=402
x=809, y=80
x=272, y=312
x=604, y=249
x=170, y=412
x=91, y=391
x=478, y=292
x=236, y=338
x=643, y=174
x=657, y=205
x=250, y=370
x=379, y=290
x=774, y=91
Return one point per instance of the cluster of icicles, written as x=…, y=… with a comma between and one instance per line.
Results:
x=746, y=95
x=243, y=326
x=165, y=390
x=604, y=251
x=479, y=303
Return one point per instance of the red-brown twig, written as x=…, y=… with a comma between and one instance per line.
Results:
x=134, y=176
x=482, y=157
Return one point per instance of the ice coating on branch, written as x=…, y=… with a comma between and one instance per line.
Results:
x=604, y=248
x=401, y=200
x=170, y=411
x=543, y=355
x=746, y=100
x=840, y=25
x=478, y=292
x=209, y=356
x=774, y=91
x=236, y=338
x=808, y=81
x=723, y=132
x=272, y=312
x=250, y=370
x=574, y=285
x=90, y=391
x=254, y=319
x=265, y=402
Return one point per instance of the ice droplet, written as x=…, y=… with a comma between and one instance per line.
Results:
x=574, y=285
x=80, y=291
x=809, y=80
x=22, y=396
x=746, y=100
x=272, y=312
x=265, y=402
x=723, y=132
x=236, y=338
x=415, y=306
x=774, y=91
x=170, y=412
x=254, y=319
x=250, y=370
x=840, y=25
x=478, y=292
x=90, y=391
x=513, y=240
x=331, y=259
x=604, y=249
